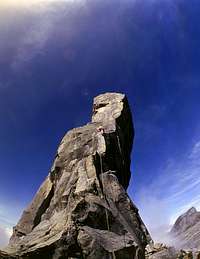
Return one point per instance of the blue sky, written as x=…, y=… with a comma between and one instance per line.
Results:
x=55, y=56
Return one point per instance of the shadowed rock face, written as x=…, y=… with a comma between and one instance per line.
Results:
x=82, y=209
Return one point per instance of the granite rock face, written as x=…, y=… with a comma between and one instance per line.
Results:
x=186, y=230
x=184, y=236
x=82, y=209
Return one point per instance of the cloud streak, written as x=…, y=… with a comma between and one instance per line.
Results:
x=5, y=228
x=5, y=234
x=195, y=154
x=174, y=191
x=8, y=218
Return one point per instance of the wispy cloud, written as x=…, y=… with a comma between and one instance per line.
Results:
x=9, y=216
x=33, y=41
x=171, y=194
x=195, y=154
x=34, y=21
x=5, y=234
x=5, y=227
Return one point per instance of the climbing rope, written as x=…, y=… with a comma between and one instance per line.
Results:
x=120, y=149
x=119, y=144
x=106, y=212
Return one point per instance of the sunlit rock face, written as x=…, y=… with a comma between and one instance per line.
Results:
x=186, y=230
x=184, y=236
x=161, y=251
x=82, y=209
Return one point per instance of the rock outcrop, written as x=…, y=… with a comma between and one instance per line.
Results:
x=186, y=230
x=82, y=209
x=161, y=251
x=185, y=237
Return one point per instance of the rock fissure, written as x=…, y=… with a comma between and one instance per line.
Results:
x=43, y=207
x=82, y=209
x=104, y=195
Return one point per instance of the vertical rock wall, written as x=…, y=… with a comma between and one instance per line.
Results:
x=82, y=209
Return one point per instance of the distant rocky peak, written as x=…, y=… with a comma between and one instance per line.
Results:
x=186, y=220
x=191, y=211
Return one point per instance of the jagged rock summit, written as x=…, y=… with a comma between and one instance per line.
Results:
x=186, y=230
x=185, y=221
x=82, y=209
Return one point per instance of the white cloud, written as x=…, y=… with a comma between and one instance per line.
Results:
x=5, y=233
x=154, y=214
x=173, y=192
x=29, y=3
x=9, y=216
x=34, y=40
x=195, y=151
x=34, y=20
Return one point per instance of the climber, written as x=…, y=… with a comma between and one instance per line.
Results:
x=101, y=130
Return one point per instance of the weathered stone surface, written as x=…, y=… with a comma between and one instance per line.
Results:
x=168, y=253
x=160, y=251
x=186, y=230
x=82, y=209
x=5, y=255
x=172, y=253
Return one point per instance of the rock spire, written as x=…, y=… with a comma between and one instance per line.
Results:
x=82, y=209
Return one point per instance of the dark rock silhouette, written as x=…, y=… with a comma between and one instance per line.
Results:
x=82, y=209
